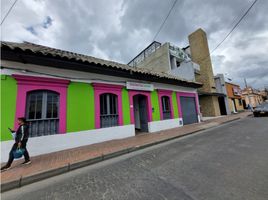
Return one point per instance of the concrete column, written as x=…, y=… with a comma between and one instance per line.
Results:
x=200, y=55
x=173, y=62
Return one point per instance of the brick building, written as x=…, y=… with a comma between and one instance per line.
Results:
x=208, y=96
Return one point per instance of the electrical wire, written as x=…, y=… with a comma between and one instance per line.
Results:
x=8, y=12
x=163, y=23
x=229, y=33
x=235, y=26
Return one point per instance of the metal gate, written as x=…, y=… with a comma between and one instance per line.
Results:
x=42, y=113
x=140, y=112
x=188, y=107
x=143, y=113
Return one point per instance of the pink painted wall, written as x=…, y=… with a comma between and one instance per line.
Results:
x=167, y=93
x=101, y=88
x=187, y=94
x=131, y=94
x=29, y=83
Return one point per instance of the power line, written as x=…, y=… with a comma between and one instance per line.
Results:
x=234, y=27
x=160, y=28
x=8, y=12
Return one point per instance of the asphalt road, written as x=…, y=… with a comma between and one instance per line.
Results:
x=229, y=163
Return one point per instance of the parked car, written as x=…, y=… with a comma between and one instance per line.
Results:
x=261, y=110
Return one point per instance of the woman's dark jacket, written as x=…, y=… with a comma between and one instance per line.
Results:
x=22, y=133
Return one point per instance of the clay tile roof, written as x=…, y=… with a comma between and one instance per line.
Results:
x=48, y=51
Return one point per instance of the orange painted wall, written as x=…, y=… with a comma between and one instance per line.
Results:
x=229, y=88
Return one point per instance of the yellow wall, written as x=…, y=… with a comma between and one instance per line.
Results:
x=238, y=107
x=230, y=105
x=255, y=100
x=209, y=106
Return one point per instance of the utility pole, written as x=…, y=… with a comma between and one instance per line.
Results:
x=245, y=80
x=246, y=85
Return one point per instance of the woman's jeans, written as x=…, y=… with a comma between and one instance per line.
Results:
x=14, y=147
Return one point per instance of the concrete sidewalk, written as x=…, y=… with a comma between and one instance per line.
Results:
x=45, y=166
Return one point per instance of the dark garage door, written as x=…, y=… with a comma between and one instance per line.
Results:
x=189, y=114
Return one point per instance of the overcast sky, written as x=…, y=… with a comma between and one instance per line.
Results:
x=119, y=29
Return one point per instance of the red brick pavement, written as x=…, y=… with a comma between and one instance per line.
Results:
x=59, y=159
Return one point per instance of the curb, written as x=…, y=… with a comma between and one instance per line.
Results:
x=10, y=185
x=231, y=120
x=84, y=163
x=115, y=154
x=72, y=166
x=41, y=176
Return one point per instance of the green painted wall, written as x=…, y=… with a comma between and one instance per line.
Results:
x=8, y=105
x=175, y=105
x=126, y=107
x=80, y=107
x=155, y=106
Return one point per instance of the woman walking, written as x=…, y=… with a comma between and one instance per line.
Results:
x=21, y=138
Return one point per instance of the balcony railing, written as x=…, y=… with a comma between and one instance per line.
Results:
x=144, y=54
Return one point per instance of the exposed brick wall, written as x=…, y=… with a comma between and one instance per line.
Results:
x=209, y=106
x=200, y=54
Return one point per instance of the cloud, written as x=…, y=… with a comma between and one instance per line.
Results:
x=120, y=29
x=47, y=22
x=32, y=30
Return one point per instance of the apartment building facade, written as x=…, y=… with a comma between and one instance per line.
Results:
x=191, y=63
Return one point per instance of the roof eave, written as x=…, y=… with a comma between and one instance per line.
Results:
x=30, y=57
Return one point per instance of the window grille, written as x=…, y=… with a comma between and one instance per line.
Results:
x=166, y=107
x=108, y=110
x=42, y=113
